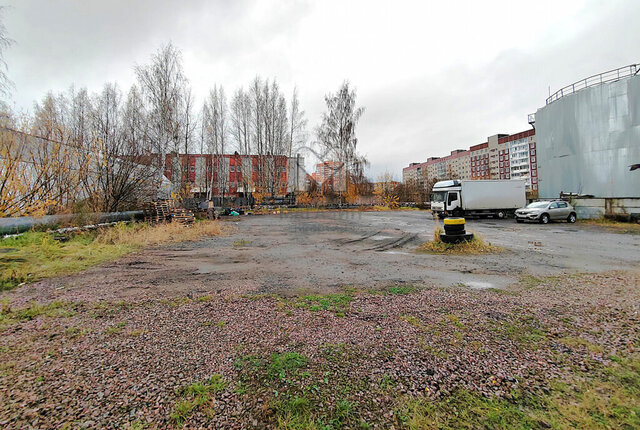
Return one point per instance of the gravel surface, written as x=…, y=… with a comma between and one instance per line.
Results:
x=110, y=365
x=121, y=345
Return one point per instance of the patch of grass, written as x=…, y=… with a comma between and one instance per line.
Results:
x=197, y=396
x=578, y=342
x=115, y=329
x=248, y=362
x=36, y=255
x=386, y=382
x=338, y=303
x=294, y=413
x=343, y=413
x=462, y=409
x=73, y=332
x=474, y=247
x=57, y=309
x=452, y=318
x=613, y=226
x=137, y=425
x=240, y=243
x=241, y=388
x=221, y=323
x=401, y=290
x=334, y=351
x=608, y=398
x=413, y=320
x=282, y=364
x=298, y=412
x=529, y=281
x=524, y=329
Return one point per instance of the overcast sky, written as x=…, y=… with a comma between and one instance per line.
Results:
x=433, y=76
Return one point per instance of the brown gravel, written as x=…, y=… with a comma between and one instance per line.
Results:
x=110, y=365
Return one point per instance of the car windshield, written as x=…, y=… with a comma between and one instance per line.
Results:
x=535, y=205
x=438, y=196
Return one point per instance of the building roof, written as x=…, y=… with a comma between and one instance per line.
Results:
x=479, y=146
x=517, y=136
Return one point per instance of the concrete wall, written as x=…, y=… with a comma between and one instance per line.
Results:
x=598, y=208
x=587, y=140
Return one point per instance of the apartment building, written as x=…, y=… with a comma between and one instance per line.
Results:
x=460, y=164
x=331, y=174
x=518, y=159
x=412, y=173
x=479, y=160
x=234, y=175
x=502, y=156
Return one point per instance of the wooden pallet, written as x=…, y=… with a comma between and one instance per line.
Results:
x=183, y=216
x=159, y=211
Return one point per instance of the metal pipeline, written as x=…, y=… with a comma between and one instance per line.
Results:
x=22, y=224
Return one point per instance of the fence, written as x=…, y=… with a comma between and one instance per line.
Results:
x=601, y=78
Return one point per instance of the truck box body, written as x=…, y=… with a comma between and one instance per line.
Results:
x=478, y=197
x=493, y=194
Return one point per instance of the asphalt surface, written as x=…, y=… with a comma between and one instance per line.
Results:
x=325, y=251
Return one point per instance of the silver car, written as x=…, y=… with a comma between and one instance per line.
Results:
x=545, y=211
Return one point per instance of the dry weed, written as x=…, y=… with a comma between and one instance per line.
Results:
x=140, y=235
x=476, y=246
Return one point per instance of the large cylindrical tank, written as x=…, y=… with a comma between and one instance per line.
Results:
x=587, y=140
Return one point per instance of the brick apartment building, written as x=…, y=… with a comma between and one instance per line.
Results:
x=518, y=159
x=502, y=156
x=234, y=175
x=330, y=174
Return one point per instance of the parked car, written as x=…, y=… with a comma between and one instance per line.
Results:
x=545, y=211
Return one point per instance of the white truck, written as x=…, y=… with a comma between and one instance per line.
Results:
x=496, y=198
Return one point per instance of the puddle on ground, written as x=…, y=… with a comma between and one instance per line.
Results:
x=397, y=252
x=475, y=285
x=380, y=237
x=204, y=268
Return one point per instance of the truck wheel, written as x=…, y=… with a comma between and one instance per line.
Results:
x=544, y=219
x=500, y=214
x=572, y=218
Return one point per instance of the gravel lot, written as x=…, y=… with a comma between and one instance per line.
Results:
x=125, y=339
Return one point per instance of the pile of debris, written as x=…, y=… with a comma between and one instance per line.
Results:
x=161, y=211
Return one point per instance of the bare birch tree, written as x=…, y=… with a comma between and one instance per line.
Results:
x=163, y=84
x=337, y=134
x=5, y=42
x=217, y=139
x=298, y=125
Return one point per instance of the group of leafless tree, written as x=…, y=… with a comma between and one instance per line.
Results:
x=111, y=150
x=258, y=122
x=108, y=150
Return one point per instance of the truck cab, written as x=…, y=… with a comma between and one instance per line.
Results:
x=446, y=198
